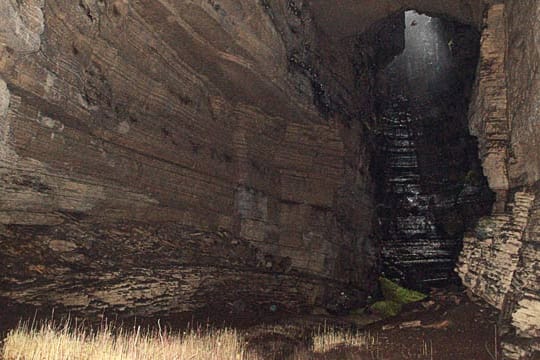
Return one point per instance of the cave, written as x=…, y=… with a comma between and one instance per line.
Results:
x=164, y=158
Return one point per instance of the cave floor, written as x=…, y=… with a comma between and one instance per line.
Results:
x=447, y=325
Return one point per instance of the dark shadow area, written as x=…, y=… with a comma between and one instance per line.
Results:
x=431, y=188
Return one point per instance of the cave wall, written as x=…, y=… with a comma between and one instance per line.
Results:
x=488, y=112
x=499, y=261
x=157, y=155
x=522, y=63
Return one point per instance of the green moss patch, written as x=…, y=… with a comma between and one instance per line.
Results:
x=393, y=292
x=386, y=308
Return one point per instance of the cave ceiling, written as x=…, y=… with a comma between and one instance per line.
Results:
x=348, y=17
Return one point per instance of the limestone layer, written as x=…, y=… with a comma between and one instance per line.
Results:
x=157, y=115
x=500, y=259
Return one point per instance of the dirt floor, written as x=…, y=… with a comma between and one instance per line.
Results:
x=445, y=326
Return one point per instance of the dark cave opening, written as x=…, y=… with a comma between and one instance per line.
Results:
x=430, y=184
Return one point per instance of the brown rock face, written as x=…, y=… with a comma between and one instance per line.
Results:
x=163, y=115
x=500, y=259
x=522, y=65
x=488, y=112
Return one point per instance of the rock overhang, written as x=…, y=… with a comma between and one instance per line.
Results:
x=350, y=17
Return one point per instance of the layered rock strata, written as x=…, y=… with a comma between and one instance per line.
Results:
x=488, y=112
x=214, y=116
x=491, y=254
x=500, y=260
x=521, y=307
x=498, y=263
x=152, y=270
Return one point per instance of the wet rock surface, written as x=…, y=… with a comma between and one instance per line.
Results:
x=432, y=186
x=424, y=212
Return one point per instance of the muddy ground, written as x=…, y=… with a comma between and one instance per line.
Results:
x=445, y=326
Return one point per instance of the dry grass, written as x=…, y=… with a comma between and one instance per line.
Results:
x=327, y=339
x=71, y=342
x=48, y=342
